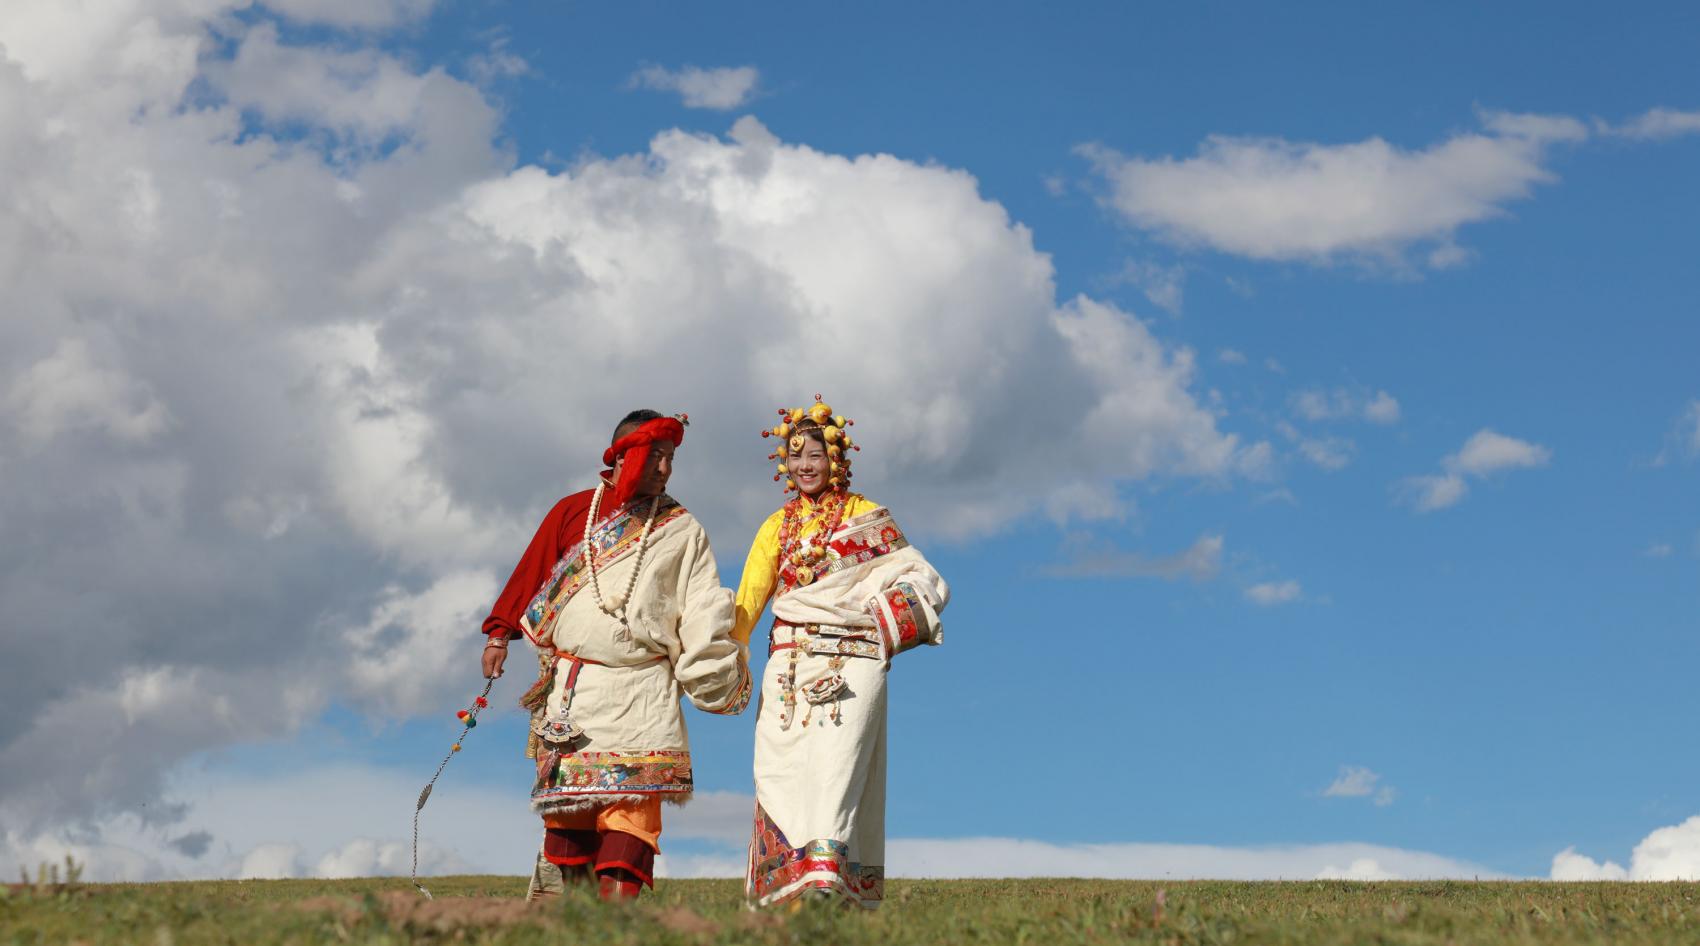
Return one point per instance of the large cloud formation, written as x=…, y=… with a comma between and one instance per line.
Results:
x=295, y=355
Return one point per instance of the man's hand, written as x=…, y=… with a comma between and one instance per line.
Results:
x=494, y=657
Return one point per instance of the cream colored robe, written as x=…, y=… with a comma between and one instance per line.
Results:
x=626, y=691
x=820, y=768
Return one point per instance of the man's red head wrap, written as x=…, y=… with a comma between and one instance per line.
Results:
x=634, y=448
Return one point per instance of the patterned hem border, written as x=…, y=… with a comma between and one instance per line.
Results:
x=820, y=880
x=567, y=804
x=577, y=780
x=779, y=870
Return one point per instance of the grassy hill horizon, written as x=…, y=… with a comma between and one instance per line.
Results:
x=489, y=909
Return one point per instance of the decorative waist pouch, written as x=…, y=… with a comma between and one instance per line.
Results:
x=556, y=728
x=825, y=690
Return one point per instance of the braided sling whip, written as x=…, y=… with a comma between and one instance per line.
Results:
x=468, y=716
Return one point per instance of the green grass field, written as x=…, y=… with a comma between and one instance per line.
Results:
x=488, y=910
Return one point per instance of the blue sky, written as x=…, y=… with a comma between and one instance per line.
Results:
x=1327, y=487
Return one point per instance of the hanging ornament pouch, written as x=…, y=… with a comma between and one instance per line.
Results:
x=554, y=730
x=557, y=729
x=827, y=689
x=556, y=726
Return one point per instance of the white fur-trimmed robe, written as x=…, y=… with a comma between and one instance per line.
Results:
x=820, y=781
x=625, y=695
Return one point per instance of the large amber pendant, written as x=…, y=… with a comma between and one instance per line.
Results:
x=805, y=575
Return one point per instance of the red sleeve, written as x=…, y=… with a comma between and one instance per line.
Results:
x=563, y=526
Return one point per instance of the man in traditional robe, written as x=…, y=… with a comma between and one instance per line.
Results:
x=619, y=593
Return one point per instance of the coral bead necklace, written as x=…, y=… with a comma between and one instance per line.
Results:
x=805, y=556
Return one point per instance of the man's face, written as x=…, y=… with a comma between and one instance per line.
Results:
x=656, y=470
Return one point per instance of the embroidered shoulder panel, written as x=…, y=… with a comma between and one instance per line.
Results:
x=613, y=540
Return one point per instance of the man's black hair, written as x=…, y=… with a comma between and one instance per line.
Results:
x=633, y=421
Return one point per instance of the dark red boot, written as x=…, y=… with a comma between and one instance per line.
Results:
x=625, y=864
x=615, y=885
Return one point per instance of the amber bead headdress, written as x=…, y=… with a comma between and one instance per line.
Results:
x=796, y=424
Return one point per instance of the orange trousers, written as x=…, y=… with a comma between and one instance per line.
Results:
x=640, y=819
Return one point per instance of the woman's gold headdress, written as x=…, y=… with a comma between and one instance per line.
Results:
x=792, y=430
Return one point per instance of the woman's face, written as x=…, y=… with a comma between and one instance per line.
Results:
x=809, y=466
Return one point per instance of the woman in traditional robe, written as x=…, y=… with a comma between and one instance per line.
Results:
x=849, y=593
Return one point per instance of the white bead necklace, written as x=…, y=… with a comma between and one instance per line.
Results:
x=637, y=566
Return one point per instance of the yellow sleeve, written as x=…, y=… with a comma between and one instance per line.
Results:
x=761, y=573
x=858, y=505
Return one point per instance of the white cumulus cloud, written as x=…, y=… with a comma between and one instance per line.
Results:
x=1356, y=781
x=1273, y=199
x=271, y=861
x=411, y=639
x=1489, y=452
x=1428, y=493
x=364, y=857
x=1329, y=453
x=1569, y=865
x=69, y=389
x=1164, y=286
x=1667, y=853
x=721, y=89
x=1383, y=408
x=1316, y=404
x=1200, y=561
x=1486, y=452
x=1657, y=123
x=1684, y=438
x=1269, y=593
x=497, y=62
x=1364, y=868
